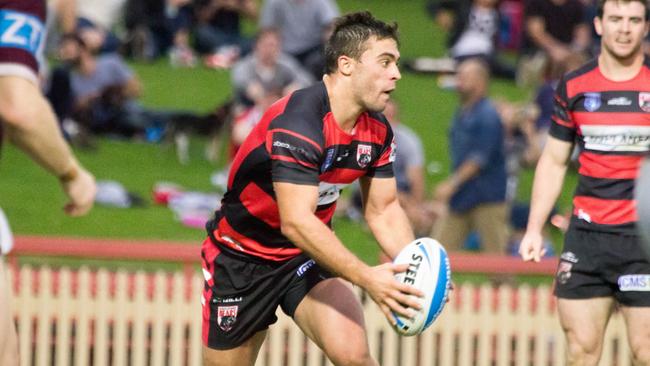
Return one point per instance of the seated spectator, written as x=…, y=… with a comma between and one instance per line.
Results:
x=96, y=20
x=101, y=92
x=160, y=27
x=219, y=32
x=304, y=26
x=475, y=191
x=472, y=27
x=266, y=71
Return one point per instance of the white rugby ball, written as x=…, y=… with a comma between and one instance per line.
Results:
x=428, y=271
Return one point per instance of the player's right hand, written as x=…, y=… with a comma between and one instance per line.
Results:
x=532, y=246
x=81, y=193
x=391, y=295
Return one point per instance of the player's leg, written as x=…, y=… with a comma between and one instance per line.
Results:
x=8, y=337
x=331, y=316
x=637, y=320
x=244, y=355
x=584, y=322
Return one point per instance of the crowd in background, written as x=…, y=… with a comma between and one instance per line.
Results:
x=94, y=90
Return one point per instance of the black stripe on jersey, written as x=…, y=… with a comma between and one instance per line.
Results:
x=624, y=229
x=346, y=156
x=619, y=101
x=291, y=172
x=384, y=171
x=587, y=67
x=250, y=226
x=294, y=147
x=609, y=189
x=562, y=132
x=256, y=167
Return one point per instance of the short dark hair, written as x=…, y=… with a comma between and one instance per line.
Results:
x=601, y=6
x=350, y=33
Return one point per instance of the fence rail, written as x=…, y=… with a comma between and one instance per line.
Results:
x=100, y=318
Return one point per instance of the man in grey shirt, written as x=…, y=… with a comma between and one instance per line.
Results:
x=304, y=25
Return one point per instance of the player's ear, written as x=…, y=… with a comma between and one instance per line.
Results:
x=598, y=25
x=345, y=65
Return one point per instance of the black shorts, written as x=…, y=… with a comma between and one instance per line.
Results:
x=241, y=293
x=597, y=264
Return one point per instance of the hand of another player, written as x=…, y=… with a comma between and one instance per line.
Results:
x=444, y=191
x=532, y=247
x=81, y=193
x=391, y=295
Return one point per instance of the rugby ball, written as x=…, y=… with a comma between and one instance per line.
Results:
x=428, y=271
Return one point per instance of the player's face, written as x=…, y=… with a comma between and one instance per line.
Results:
x=622, y=28
x=377, y=73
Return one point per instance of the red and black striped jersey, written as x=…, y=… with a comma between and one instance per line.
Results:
x=610, y=122
x=297, y=141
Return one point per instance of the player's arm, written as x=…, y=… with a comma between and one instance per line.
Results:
x=297, y=204
x=32, y=127
x=384, y=214
x=547, y=185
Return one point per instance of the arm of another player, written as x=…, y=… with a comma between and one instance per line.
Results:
x=547, y=185
x=297, y=204
x=32, y=127
x=384, y=214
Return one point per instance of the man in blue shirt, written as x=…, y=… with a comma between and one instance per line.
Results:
x=476, y=190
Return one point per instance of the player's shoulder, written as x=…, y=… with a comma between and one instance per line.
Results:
x=304, y=111
x=581, y=71
x=36, y=8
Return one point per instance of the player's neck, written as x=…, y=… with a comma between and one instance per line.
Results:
x=343, y=104
x=617, y=69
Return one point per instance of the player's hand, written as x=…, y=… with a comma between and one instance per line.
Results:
x=81, y=193
x=391, y=295
x=532, y=246
x=444, y=191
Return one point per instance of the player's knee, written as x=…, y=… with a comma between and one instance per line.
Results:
x=582, y=351
x=641, y=352
x=352, y=357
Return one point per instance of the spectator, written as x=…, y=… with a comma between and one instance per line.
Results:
x=102, y=91
x=557, y=28
x=304, y=25
x=96, y=20
x=409, y=173
x=219, y=32
x=158, y=27
x=472, y=27
x=267, y=71
x=476, y=191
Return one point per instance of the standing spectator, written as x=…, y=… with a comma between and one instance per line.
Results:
x=473, y=28
x=409, y=173
x=603, y=107
x=219, y=32
x=31, y=125
x=557, y=28
x=304, y=25
x=267, y=71
x=476, y=191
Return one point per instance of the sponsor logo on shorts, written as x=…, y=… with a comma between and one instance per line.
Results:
x=226, y=300
x=364, y=155
x=564, y=272
x=305, y=267
x=226, y=317
x=569, y=257
x=638, y=282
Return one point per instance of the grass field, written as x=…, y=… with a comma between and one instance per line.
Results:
x=33, y=201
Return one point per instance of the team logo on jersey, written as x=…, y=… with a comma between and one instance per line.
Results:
x=226, y=316
x=592, y=101
x=329, y=158
x=644, y=101
x=364, y=155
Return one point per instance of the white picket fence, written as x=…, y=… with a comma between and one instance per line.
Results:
x=100, y=318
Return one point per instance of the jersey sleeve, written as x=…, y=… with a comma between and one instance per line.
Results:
x=295, y=152
x=383, y=166
x=562, y=125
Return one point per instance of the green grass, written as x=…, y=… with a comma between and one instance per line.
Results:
x=33, y=201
